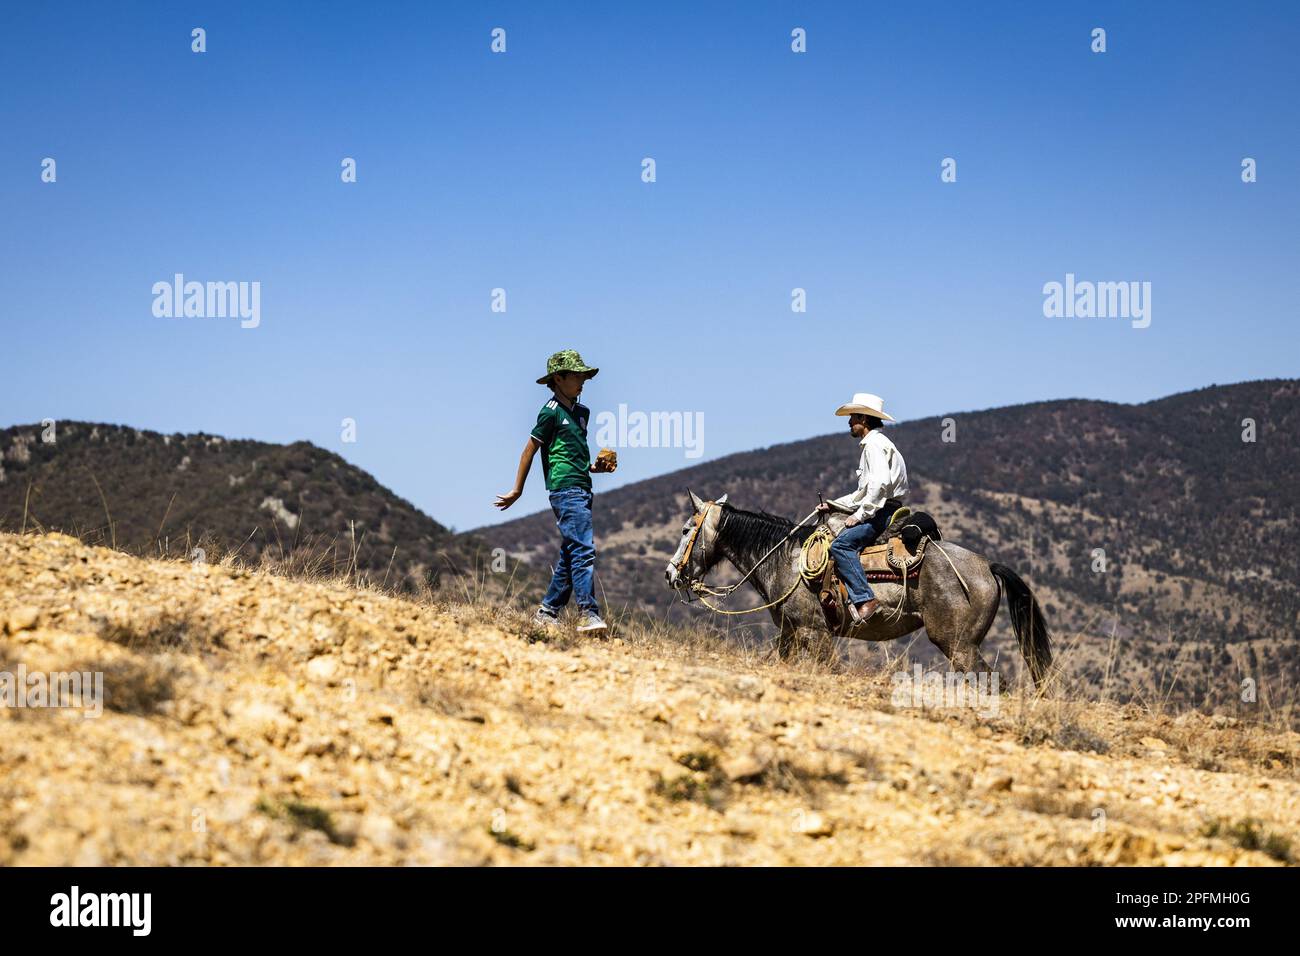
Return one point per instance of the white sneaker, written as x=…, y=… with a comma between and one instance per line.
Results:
x=545, y=619
x=591, y=623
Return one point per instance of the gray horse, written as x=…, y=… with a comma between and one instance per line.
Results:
x=955, y=598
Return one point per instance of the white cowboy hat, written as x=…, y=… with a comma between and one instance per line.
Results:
x=864, y=403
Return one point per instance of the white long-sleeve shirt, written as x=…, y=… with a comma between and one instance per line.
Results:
x=882, y=474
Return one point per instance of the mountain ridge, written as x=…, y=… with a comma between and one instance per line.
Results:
x=153, y=492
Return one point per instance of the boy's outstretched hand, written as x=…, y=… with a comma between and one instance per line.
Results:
x=505, y=501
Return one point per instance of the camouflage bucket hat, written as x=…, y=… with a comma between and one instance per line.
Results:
x=566, y=361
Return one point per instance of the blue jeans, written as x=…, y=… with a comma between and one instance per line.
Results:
x=576, y=567
x=848, y=545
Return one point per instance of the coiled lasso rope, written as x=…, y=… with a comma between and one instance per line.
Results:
x=815, y=554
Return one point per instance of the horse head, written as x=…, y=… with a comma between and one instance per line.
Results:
x=697, y=550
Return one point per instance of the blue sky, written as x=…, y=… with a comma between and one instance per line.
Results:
x=775, y=170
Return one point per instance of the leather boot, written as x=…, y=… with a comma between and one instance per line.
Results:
x=864, y=615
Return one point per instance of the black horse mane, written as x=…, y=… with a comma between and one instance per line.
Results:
x=755, y=530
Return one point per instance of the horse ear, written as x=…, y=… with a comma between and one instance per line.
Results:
x=696, y=503
x=721, y=501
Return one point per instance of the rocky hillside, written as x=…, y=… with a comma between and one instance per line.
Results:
x=253, y=719
x=298, y=506
x=1163, y=546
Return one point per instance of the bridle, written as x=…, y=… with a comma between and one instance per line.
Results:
x=680, y=566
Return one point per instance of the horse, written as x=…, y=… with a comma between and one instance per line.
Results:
x=955, y=597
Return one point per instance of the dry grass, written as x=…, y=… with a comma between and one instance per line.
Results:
x=1251, y=834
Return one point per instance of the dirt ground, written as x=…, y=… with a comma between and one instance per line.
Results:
x=252, y=719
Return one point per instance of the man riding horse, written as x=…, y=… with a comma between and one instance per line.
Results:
x=952, y=592
x=882, y=488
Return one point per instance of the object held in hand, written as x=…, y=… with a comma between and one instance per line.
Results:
x=607, y=459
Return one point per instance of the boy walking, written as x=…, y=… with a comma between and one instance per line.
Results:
x=561, y=434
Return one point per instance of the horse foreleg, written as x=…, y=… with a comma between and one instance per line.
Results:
x=822, y=646
x=787, y=641
x=818, y=643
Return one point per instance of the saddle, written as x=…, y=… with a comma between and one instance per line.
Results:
x=891, y=560
x=913, y=527
x=896, y=560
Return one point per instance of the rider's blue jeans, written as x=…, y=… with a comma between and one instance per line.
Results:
x=848, y=545
x=576, y=568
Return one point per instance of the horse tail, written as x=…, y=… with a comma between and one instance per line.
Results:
x=1027, y=621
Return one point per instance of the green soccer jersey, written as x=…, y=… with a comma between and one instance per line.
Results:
x=566, y=459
